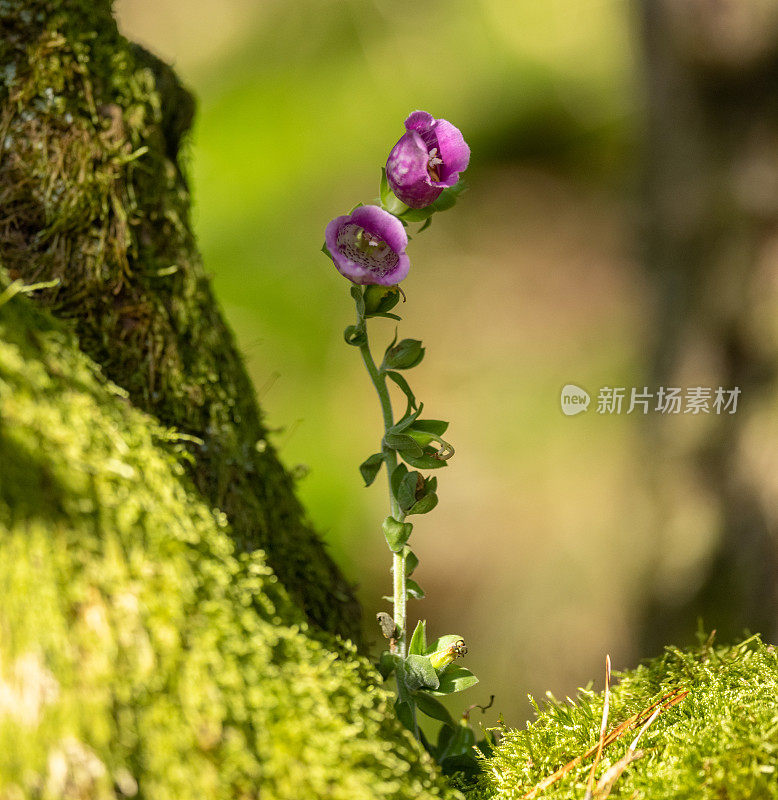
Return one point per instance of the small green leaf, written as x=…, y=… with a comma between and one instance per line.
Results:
x=406, y=421
x=396, y=533
x=433, y=708
x=404, y=711
x=398, y=473
x=427, y=223
x=456, y=742
x=405, y=388
x=411, y=561
x=370, y=467
x=455, y=679
x=412, y=589
x=404, y=444
x=388, y=663
x=435, y=426
x=419, y=673
x=418, y=643
x=406, y=492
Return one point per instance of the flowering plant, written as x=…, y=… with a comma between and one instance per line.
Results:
x=368, y=247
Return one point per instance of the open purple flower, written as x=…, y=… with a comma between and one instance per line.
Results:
x=427, y=159
x=368, y=246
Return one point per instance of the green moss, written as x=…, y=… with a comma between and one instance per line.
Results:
x=719, y=743
x=93, y=195
x=138, y=652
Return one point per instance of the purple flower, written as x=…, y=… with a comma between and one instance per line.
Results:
x=427, y=159
x=368, y=246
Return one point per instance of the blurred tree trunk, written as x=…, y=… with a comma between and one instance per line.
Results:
x=711, y=246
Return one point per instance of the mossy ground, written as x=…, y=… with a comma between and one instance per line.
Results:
x=140, y=653
x=719, y=743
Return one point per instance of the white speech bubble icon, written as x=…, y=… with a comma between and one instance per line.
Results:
x=574, y=400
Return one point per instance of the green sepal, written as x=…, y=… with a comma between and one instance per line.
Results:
x=435, y=426
x=380, y=299
x=404, y=445
x=454, y=743
x=326, y=250
x=447, y=199
x=412, y=589
x=455, y=679
x=420, y=674
x=418, y=643
x=427, y=223
x=389, y=200
x=370, y=467
x=359, y=299
x=442, y=643
x=411, y=561
x=406, y=354
x=404, y=387
x=355, y=335
x=396, y=533
x=398, y=474
x=427, y=460
x=388, y=663
x=406, y=421
x=433, y=708
x=425, y=505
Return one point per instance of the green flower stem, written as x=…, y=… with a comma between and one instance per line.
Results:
x=390, y=458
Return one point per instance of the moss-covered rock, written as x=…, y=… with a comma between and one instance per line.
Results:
x=93, y=196
x=140, y=654
x=718, y=742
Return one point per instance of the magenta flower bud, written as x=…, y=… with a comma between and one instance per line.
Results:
x=368, y=246
x=427, y=159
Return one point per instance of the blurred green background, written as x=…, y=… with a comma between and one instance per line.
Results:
x=536, y=554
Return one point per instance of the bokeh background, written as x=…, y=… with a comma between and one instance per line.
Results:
x=557, y=540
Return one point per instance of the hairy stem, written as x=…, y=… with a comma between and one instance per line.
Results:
x=390, y=458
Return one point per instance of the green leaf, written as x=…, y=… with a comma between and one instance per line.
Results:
x=370, y=467
x=388, y=663
x=405, y=388
x=419, y=673
x=433, y=708
x=427, y=223
x=455, y=742
x=406, y=492
x=435, y=426
x=412, y=589
x=425, y=505
x=385, y=314
x=396, y=533
x=398, y=473
x=411, y=561
x=455, y=679
x=404, y=711
x=406, y=354
x=403, y=444
x=406, y=421
x=418, y=643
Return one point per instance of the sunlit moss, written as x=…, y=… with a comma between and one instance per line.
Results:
x=718, y=742
x=139, y=653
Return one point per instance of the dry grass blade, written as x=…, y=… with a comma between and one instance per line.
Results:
x=603, y=728
x=663, y=703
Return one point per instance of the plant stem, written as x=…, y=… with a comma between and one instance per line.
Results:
x=390, y=459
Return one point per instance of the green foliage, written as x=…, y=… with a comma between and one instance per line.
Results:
x=718, y=742
x=140, y=653
x=94, y=197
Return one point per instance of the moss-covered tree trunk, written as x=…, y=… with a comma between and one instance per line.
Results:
x=92, y=196
x=168, y=619
x=712, y=251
